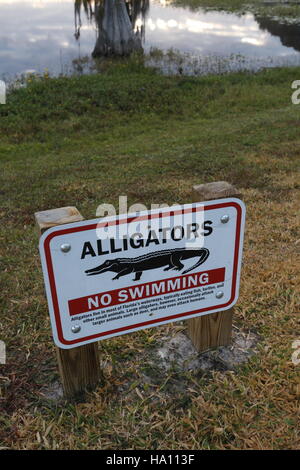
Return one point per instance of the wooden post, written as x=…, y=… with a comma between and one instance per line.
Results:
x=212, y=330
x=79, y=367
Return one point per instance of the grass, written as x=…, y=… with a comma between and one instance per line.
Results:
x=84, y=141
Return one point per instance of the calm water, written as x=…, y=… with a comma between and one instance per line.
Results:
x=40, y=34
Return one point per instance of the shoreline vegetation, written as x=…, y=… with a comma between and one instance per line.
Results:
x=86, y=140
x=283, y=9
x=171, y=62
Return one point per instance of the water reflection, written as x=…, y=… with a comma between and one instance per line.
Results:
x=42, y=33
x=209, y=32
x=289, y=34
x=120, y=24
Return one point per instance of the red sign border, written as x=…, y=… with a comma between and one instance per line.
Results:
x=46, y=245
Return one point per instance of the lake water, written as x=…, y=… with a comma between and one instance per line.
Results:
x=40, y=34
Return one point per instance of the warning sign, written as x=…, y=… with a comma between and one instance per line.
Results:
x=111, y=276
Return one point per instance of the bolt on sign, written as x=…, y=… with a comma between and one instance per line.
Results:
x=111, y=276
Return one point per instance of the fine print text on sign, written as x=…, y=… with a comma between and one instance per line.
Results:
x=112, y=276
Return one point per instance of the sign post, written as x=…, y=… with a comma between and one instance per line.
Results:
x=212, y=331
x=79, y=367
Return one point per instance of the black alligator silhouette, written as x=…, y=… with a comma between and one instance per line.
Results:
x=170, y=258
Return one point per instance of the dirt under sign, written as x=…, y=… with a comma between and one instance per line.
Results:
x=108, y=277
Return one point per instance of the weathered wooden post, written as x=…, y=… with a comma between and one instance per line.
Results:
x=214, y=330
x=79, y=367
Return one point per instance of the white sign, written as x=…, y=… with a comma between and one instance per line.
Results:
x=111, y=276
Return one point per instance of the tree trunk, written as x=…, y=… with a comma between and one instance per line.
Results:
x=115, y=34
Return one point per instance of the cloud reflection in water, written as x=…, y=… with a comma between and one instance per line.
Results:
x=39, y=34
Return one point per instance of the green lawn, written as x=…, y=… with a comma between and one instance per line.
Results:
x=84, y=141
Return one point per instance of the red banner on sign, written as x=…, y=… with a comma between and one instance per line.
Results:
x=142, y=291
